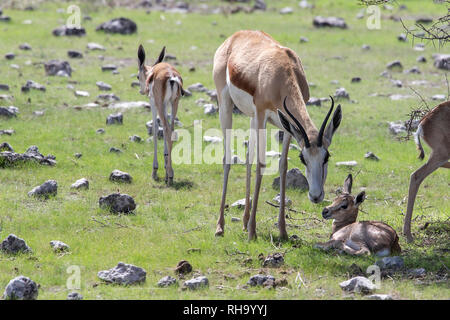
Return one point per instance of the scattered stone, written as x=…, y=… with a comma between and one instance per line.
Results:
x=260, y=280
x=401, y=37
x=370, y=155
x=273, y=260
x=13, y=244
x=210, y=109
x=346, y=164
x=197, y=87
x=273, y=154
x=80, y=93
x=395, y=66
x=100, y=131
x=390, y=263
x=4, y=87
x=149, y=126
x=305, y=5
x=196, y=283
x=166, y=282
x=30, y=84
x=417, y=273
x=111, y=97
x=82, y=183
x=10, y=56
x=235, y=219
x=236, y=160
x=331, y=22
x=294, y=179
x=419, y=47
x=38, y=113
x=286, y=10
x=135, y=138
x=8, y=132
x=260, y=5
x=413, y=70
x=123, y=274
x=304, y=40
x=314, y=102
x=120, y=176
x=341, y=93
x=380, y=297
x=168, y=57
x=115, y=150
x=74, y=296
x=439, y=97
x=78, y=155
x=118, y=25
x=95, y=46
x=25, y=47
x=9, y=112
x=58, y=68
x=9, y=159
x=421, y=59
x=183, y=267
x=212, y=139
x=66, y=31
x=115, y=119
x=397, y=83
x=5, y=18
x=21, y=288
x=109, y=67
x=442, y=61
x=45, y=190
x=358, y=284
x=103, y=86
x=424, y=20
x=74, y=54
x=240, y=204
x=59, y=246
x=365, y=47
x=117, y=203
x=356, y=80
x=5, y=146
x=287, y=201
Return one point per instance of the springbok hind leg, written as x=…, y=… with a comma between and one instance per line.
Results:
x=155, y=141
x=417, y=177
x=248, y=161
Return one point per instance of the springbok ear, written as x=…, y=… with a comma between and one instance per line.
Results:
x=348, y=184
x=141, y=56
x=333, y=125
x=161, y=56
x=295, y=132
x=360, y=198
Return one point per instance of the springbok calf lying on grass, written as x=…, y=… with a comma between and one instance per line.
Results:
x=261, y=77
x=357, y=238
x=163, y=85
x=434, y=128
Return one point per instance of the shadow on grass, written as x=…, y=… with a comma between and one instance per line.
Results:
x=183, y=184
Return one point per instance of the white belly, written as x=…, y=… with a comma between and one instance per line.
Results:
x=241, y=99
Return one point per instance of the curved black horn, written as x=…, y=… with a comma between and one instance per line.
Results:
x=324, y=124
x=299, y=126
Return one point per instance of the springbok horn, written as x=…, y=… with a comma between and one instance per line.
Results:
x=299, y=126
x=324, y=124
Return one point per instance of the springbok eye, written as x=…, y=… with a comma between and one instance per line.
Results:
x=302, y=159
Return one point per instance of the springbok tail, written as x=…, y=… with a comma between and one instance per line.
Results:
x=417, y=136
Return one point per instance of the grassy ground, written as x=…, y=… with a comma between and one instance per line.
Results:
x=169, y=221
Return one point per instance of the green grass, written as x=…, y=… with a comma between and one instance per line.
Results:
x=169, y=221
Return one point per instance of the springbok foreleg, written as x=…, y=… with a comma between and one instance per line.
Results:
x=435, y=161
x=260, y=166
x=226, y=121
x=283, y=169
x=249, y=160
x=155, y=140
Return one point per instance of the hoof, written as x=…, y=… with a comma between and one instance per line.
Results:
x=169, y=182
x=155, y=175
x=219, y=231
x=252, y=236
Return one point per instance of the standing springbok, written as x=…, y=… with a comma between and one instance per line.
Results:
x=259, y=76
x=357, y=238
x=163, y=85
x=434, y=128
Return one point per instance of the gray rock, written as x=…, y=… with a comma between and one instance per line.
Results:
x=413, y=70
x=13, y=244
x=4, y=87
x=123, y=274
x=330, y=22
x=66, y=31
x=197, y=87
x=103, y=86
x=240, y=204
x=370, y=155
x=380, y=297
x=120, y=176
x=286, y=10
x=273, y=260
x=74, y=54
x=287, y=201
x=196, y=283
x=355, y=80
x=294, y=179
x=10, y=56
x=109, y=67
x=109, y=97
x=236, y=160
x=5, y=18
x=442, y=61
x=100, y=131
x=210, y=109
x=397, y=83
x=166, y=282
x=341, y=93
x=260, y=5
x=439, y=97
x=365, y=47
x=95, y=46
x=358, y=285
x=346, y=164
x=59, y=246
x=38, y=113
x=118, y=25
x=9, y=112
x=25, y=47
x=304, y=40
x=8, y=132
x=115, y=150
x=5, y=146
x=30, y=84
x=58, y=67
x=235, y=219
x=390, y=263
x=82, y=183
x=45, y=190
x=260, y=279
x=135, y=138
x=421, y=59
x=149, y=126
x=9, y=159
x=395, y=66
x=115, y=119
x=401, y=37
x=417, y=272
x=117, y=203
x=78, y=155
x=314, y=102
x=21, y=288
x=74, y=296
x=305, y=5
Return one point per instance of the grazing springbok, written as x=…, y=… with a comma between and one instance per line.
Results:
x=357, y=238
x=262, y=78
x=434, y=128
x=163, y=85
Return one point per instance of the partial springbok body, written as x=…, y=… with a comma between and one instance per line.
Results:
x=357, y=238
x=434, y=128
x=163, y=85
x=261, y=77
